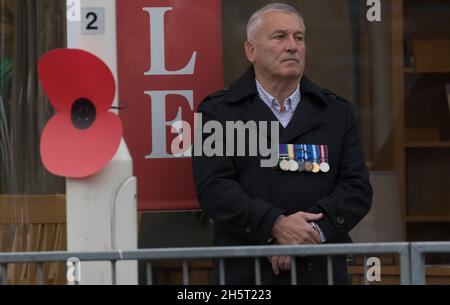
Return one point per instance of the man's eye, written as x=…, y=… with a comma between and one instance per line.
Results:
x=278, y=36
x=299, y=38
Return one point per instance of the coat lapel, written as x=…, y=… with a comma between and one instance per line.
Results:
x=244, y=90
x=258, y=111
x=304, y=119
x=306, y=116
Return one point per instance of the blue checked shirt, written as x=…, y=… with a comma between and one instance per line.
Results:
x=290, y=104
x=285, y=117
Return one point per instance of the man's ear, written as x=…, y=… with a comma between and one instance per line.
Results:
x=250, y=50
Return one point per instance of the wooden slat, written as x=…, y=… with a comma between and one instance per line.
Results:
x=25, y=246
x=54, y=275
x=432, y=55
x=12, y=268
x=48, y=236
x=33, y=238
x=61, y=270
x=436, y=271
x=428, y=192
x=38, y=245
x=33, y=223
x=54, y=265
x=428, y=144
x=8, y=231
x=398, y=106
x=32, y=209
x=428, y=218
x=2, y=239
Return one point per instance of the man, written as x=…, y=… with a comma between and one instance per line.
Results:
x=253, y=205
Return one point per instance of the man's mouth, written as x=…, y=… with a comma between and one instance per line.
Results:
x=290, y=59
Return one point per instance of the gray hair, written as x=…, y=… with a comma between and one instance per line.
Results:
x=253, y=22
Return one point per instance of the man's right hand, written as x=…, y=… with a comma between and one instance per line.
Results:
x=295, y=229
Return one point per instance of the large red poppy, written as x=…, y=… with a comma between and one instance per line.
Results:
x=83, y=136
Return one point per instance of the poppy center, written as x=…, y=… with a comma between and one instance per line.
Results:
x=83, y=113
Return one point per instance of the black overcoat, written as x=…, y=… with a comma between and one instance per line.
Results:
x=244, y=199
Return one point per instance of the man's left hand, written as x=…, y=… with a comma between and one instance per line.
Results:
x=282, y=263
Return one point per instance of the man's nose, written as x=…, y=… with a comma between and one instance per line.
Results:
x=291, y=44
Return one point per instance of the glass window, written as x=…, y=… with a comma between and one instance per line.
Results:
x=27, y=30
x=343, y=54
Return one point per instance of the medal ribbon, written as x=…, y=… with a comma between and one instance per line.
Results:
x=298, y=151
x=322, y=153
x=314, y=147
x=283, y=150
x=290, y=148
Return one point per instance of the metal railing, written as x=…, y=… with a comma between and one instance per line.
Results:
x=418, y=251
x=412, y=268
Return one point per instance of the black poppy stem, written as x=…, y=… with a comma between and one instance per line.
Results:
x=123, y=105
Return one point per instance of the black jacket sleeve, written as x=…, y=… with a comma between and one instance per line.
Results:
x=351, y=197
x=222, y=197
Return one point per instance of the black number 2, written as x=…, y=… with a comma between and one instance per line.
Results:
x=90, y=25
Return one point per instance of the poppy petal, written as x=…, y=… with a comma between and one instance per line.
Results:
x=71, y=152
x=69, y=74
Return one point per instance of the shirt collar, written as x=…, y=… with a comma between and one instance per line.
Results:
x=271, y=101
x=245, y=87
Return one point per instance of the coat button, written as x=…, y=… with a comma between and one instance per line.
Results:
x=310, y=266
x=248, y=229
x=340, y=220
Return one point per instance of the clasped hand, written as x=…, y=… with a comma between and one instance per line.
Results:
x=294, y=229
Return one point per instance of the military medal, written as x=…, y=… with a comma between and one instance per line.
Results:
x=316, y=167
x=293, y=166
x=284, y=164
x=301, y=165
x=308, y=165
x=300, y=157
x=324, y=166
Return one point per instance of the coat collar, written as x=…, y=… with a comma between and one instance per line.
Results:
x=245, y=87
x=306, y=115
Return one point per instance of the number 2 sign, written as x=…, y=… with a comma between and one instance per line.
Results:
x=92, y=20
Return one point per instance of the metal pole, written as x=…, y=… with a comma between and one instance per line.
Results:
x=185, y=273
x=4, y=273
x=293, y=271
x=417, y=266
x=366, y=280
x=257, y=271
x=113, y=273
x=330, y=270
x=149, y=270
x=40, y=273
x=405, y=266
x=222, y=271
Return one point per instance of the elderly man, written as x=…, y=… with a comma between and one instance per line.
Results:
x=319, y=191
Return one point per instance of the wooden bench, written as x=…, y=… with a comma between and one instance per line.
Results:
x=31, y=223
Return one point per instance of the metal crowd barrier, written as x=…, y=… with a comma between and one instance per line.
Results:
x=418, y=251
x=412, y=268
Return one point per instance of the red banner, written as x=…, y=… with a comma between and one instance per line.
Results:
x=169, y=59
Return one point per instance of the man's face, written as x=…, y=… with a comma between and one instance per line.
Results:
x=277, y=49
